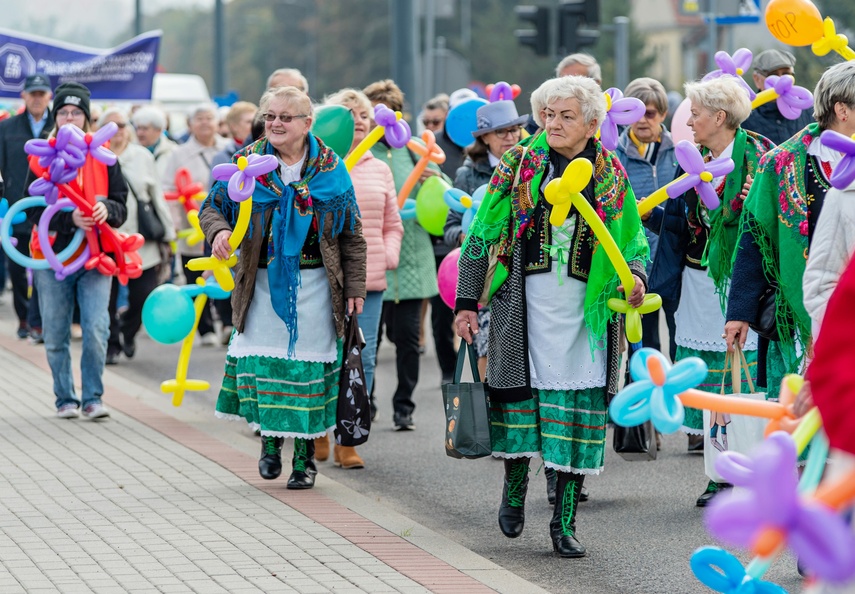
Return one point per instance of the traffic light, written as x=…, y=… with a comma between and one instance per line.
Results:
x=577, y=24
x=537, y=38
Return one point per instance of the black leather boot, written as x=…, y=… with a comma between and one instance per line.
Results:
x=512, y=509
x=270, y=463
x=562, y=528
x=551, y=484
x=303, y=463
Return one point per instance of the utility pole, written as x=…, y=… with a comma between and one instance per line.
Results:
x=712, y=32
x=403, y=46
x=429, y=55
x=137, y=17
x=621, y=51
x=219, y=49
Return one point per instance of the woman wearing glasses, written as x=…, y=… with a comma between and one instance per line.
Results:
x=301, y=268
x=553, y=354
x=105, y=187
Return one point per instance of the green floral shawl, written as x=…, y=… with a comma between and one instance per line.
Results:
x=505, y=215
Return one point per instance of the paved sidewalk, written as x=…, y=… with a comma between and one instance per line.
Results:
x=144, y=502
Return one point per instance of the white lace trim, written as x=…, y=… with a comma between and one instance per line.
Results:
x=573, y=470
x=286, y=434
x=507, y=456
x=575, y=385
x=227, y=416
x=307, y=356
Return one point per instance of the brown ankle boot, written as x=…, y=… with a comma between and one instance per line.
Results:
x=322, y=448
x=347, y=457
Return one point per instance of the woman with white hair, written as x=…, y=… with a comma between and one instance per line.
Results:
x=779, y=229
x=702, y=242
x=196, y=156
x=149, y=124
x=145, y=199
x=553, y=356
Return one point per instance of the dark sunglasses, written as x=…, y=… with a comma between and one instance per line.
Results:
x=429, y=122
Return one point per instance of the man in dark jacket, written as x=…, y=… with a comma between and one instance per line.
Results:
x=767, y=119
x=35, y=121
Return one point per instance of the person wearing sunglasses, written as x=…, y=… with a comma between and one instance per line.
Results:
x=301, y=268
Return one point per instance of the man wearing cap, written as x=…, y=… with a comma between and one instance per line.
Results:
x=767, y=119
x=35, y=121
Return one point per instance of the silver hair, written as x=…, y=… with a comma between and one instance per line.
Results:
x=149, y=116
x=210, y=108
x=581, y=88
x=350, y=98
x=291, y=95
x=582, y=59
x=293, y=73
x=102, y=119
x=837, y=85
x=721, y=94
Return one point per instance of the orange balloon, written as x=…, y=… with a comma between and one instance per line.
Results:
x=794, y=22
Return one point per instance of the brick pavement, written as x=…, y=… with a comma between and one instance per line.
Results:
x=144, y=502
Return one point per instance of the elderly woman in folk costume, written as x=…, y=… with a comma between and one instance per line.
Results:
x=778, y=224
x=699, y=243
x=301, y=268
x=553, y=355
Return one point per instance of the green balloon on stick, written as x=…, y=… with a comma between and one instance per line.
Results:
x=334, y=125
x=431, y=209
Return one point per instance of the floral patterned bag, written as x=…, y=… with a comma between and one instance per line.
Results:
x=353, y=412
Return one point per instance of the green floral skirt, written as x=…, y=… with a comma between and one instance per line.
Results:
x=281, y=397
x=565, y=427
x=694, y=421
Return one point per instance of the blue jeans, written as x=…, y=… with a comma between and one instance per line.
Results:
x=56, y=301
x=369, y=322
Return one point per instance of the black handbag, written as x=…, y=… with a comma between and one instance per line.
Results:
x=148, y=223
x=353, y=411
x=767, y=324
x=467, y=426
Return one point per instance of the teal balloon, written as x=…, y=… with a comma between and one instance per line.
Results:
x=431, y=209
x=334, y=125
x=168, y=314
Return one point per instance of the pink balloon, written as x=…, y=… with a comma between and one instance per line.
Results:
x=679, y=128
x=446, y=277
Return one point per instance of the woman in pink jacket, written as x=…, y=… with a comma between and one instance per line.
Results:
x=383, y=230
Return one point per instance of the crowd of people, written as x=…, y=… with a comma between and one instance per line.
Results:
x=325, y=243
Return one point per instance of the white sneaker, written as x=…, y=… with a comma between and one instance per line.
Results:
x=210, y=339
x=96, y=410
x=68, y=411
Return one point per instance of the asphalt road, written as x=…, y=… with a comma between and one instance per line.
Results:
x=640, y=525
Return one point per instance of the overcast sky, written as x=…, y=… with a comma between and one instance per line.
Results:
x=89, y=22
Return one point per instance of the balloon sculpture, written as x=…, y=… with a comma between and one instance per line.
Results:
x=170, y=315
x=791, y=99
x=699, y=175
x=565, y=192
x=429, y=152
x=431, y=208
x=844, y=173
x=620, y=110
x=734, y=66
x=461, y=121
x=459, y=201
x=56, y=161
x=799, y=22
x=389, y=124
x=241, y=177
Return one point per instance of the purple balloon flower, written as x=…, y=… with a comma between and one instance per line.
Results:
x=241, y=175
x=769, y=500
x=56, y=174
x=397, y=131
x=734, y=66
x=501, y=91
x=95, y=142
x=792, y=99
x=844, y=172
x=721, y=572
x=619, y=110
x=700, y=174
x=66, y=146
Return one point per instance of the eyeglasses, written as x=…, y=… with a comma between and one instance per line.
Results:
x=430, y=122
x=505, y=132
x=121, y=124
x=651, y=113
x=69, y=113
x=285, y=119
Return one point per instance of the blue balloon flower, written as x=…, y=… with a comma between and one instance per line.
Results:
x=722, y=572
x=653, y=394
